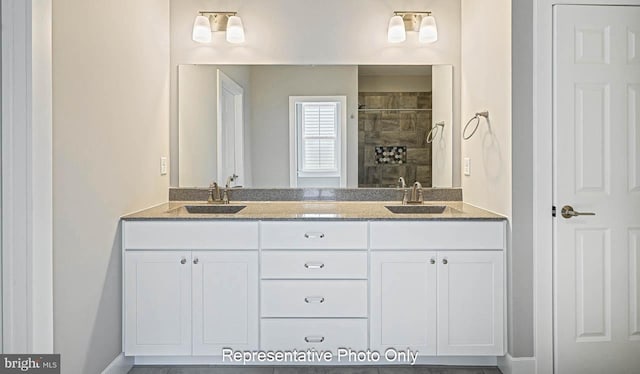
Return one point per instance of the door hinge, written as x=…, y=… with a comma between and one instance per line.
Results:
x=553, y=211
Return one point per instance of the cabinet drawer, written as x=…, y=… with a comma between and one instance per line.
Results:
x=314, y=265
x=314, y=235
x=319, y=334
x=314, y=298
x=438, y=235
x=191, y=235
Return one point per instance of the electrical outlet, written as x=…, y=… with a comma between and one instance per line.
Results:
x=467, y=166
x=163, y=166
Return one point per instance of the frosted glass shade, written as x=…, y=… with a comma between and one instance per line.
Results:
x=235, y=31
x=396, y=32
x=428, y=30
x=202, y=30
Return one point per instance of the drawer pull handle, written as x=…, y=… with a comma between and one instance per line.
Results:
x=314, y=339
x=314, y=299
x=183, y=261
x=445, y=261
x=314, y=265
x=314, y=235
x=432, y=261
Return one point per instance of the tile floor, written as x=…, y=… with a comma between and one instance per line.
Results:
x=314, y=370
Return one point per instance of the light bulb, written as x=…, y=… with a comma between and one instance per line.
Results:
x=428, y=30
x=396, y=32
x=235, y=31
x=202, y=30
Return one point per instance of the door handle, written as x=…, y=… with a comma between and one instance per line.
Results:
x=568, y=212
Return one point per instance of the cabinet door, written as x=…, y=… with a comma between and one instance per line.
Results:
x=225, y=301
x=403, y=297
x=157, y=303
x=471, y=303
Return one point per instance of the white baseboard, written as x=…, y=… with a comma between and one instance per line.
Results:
x=517, y=365
x=119, y=365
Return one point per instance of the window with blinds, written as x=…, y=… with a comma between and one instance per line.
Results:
x=318, y=128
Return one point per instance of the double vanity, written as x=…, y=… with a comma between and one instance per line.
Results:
x=323, y=275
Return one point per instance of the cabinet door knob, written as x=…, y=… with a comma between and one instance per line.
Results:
x=314, y=339
x=314, y=235
x=432, y=261
x=314, y=265
x=314, y=299
x=183, y=261
x=445, y=261
x=195, y=261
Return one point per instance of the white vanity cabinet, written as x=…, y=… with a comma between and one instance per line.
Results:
x=225, y=301
x=471, y=303
x=185, y=302
x=157, y=300
x=435, y=292
x=403, y=301
x=314, y=285
x=194, y=287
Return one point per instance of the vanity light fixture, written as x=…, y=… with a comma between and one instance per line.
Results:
x=422, y=22
x=396, y=32
x=207, y=22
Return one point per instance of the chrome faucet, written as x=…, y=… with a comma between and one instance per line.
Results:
x=227, y=186
x=401, y=183
x=231, y=178
x=215, y=197
x=416, y=194
x=403, y=186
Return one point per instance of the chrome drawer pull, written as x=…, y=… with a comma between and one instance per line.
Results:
x=314, y=265
x=314, y=235
x=314, y=299
x=314, y=339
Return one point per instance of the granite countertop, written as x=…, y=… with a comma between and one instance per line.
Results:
x=313, y=210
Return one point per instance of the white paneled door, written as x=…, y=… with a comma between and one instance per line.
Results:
x=230, y=129
x=597, y=170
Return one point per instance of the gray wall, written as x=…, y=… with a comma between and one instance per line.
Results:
x=110, y=128
x=271, y=88
x=521, y=275
x=496, y=48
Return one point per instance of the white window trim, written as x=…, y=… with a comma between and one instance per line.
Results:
x=293, y=138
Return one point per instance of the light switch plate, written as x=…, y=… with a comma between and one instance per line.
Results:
x=163, y=166
x=467, y=166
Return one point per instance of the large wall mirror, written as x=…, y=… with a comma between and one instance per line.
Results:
x=279, y=126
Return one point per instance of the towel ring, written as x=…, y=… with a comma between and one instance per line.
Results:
x=434, y=131
x=477, y=116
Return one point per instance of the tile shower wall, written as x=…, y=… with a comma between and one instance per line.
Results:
x=384, y=135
